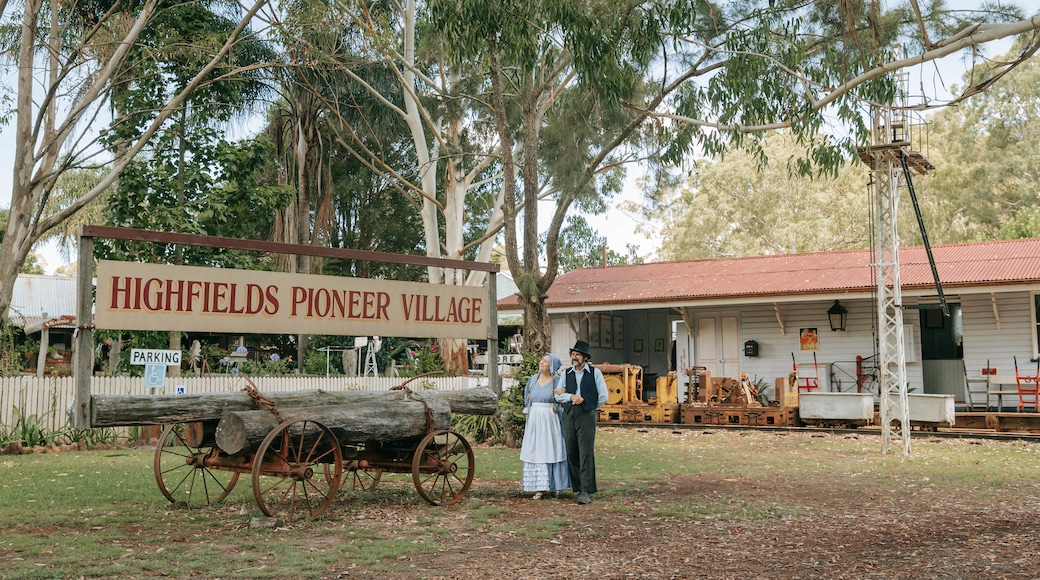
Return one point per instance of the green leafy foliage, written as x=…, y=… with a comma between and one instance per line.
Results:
x=30, y=430
x=735, y=207
x=583, y=247
x=266, y=368
x=428, y=360
x=11, y=354
x=511, y=402
x=220, y=191
x=478, y=428
x=987, y=157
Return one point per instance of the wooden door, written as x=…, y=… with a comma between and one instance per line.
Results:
x=718, y=345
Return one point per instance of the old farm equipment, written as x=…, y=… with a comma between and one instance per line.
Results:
x=296, y=455
x=729, y=401
x=806, y=383
x=629, y=402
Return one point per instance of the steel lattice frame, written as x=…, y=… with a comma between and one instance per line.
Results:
x=892, y=386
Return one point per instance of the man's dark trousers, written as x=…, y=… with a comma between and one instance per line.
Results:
x=579, y=429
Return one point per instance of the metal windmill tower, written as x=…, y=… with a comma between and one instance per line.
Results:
x=891, y=158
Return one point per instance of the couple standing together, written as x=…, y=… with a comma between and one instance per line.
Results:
x=558, y=447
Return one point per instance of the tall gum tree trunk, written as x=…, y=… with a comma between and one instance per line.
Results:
x=537, y=330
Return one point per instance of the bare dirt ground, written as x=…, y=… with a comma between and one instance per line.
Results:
x=851, y=533
x=866, y=525
x=853, y=517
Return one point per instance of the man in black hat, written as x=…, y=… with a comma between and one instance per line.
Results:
x=582, y=391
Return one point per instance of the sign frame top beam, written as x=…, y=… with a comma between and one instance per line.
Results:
x=138, y=235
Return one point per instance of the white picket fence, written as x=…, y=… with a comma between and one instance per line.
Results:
x=48, y=398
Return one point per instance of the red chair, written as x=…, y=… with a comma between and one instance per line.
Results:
x=1028, y=388
x=806, y=384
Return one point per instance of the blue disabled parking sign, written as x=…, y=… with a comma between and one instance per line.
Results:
x=154, y=376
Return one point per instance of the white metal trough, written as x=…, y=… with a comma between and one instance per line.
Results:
x=926, y=408
x=850, y=408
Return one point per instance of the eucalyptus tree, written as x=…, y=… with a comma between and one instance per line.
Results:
x=71, y=60
x=581, y=246
x=681, y=77
x=190, y=178
x=987, y=157
x=735, y=207
x=385, y=97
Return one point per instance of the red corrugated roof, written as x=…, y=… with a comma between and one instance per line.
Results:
x=959, y=265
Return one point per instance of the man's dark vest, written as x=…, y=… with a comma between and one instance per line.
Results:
x=588, y=387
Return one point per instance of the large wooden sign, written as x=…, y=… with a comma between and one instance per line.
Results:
x=134, y=296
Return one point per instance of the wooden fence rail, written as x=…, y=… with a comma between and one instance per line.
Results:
x=48, y=398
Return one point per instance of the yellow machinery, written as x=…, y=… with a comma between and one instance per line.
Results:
x=625, y=397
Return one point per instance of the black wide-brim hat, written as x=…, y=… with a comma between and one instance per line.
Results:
x=582, y=347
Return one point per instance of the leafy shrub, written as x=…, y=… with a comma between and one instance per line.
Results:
x=275, y=366
x=318, y=363
x=478, y=428
x=10, y=357
x=29, y=430
x=428, y=360
x=97, y=435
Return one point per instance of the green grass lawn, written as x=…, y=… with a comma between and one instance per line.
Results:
x=99, y=513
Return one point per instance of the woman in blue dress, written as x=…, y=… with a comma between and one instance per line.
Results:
x=543, y=452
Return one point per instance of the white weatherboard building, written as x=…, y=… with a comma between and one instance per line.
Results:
x=750, y=314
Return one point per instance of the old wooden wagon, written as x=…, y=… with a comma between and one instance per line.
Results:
x=297, y=456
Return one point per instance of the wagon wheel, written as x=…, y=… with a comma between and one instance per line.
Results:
x=364, y=479
x=442, y=467
x=181, y=472
x=298, y=467
x=361, y=479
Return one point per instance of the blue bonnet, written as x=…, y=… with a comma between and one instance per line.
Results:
x=554, y=363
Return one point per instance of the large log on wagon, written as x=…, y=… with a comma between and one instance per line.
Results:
x=121, y=410
x=379, y=421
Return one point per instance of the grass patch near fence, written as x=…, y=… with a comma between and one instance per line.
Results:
x=99, y=514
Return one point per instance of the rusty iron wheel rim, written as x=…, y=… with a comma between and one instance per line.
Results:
x=182, y=475
x=443, y=467
x=297, y=470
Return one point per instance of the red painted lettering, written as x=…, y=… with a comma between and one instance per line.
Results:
x=407, y=304
x=322, y=302
x=220, y=297
x=233, y=300
x=370, y=303
x=194, y=292
x=272, y=301
x=355, y=304
x=153, y=298
x=175, y=289
x=205, y=296
x=339, y=304
x=120, y=289
x=254, y=299
x=299, y=296
x=381, y=305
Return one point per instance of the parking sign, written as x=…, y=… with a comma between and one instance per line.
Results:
x=154, y=376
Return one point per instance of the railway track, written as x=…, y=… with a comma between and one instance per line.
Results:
x=1002, y=427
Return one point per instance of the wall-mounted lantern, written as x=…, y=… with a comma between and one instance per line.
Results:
x=837, y=316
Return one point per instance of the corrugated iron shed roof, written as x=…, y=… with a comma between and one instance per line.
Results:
x=38, y=299
x=959, y=266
